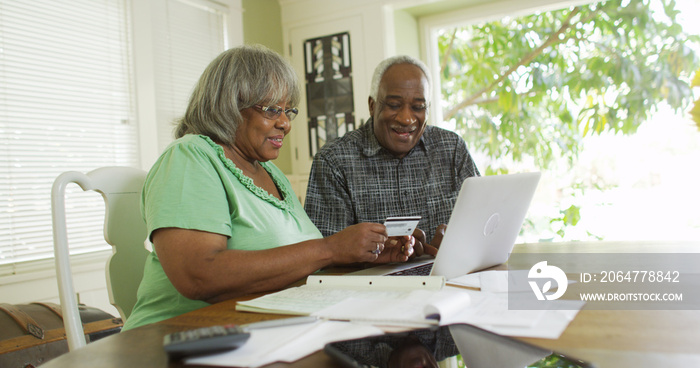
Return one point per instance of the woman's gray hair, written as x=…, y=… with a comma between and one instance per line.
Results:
x=387, y=63
x=235, y=80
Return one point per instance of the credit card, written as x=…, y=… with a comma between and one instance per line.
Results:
x=400, y=226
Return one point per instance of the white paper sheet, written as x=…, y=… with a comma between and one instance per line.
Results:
x=383, y=310
x=457, y=305
x=452, y=305
x=491, y=309
x=550, y=325
x=327, y=290
x=493, y=281
x=285, y=344
x=496, y=281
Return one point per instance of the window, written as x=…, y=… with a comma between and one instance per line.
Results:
x=65, y=104
x=68, y=101
x=187, y=36
x=631, y=179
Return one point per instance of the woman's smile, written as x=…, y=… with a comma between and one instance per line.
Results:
x=276, y=141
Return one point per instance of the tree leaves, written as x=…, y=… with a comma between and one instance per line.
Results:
x=531, y=87
x=695, y=112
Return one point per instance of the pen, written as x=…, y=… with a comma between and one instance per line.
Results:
x=279, y=322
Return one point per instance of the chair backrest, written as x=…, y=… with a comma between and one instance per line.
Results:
x=124, y=230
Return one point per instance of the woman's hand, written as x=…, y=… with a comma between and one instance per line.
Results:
x=358, y=243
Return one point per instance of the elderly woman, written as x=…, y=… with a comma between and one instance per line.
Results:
x=223, y=220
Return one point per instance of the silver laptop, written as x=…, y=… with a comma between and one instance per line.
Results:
x=481, y=233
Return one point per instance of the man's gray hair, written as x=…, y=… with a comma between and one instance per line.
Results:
x=235, y=80
x=394, y=60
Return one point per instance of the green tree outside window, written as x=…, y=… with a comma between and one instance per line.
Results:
x=530, y=88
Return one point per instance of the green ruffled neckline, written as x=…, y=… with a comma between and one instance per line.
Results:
x=285, y=204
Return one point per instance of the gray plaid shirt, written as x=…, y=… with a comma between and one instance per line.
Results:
x=354, y=179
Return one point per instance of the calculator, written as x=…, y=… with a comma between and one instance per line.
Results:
x=205, y=340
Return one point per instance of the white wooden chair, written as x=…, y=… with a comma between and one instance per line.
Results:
x=124, y=230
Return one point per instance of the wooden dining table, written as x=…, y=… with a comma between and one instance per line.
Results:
x=607, y=338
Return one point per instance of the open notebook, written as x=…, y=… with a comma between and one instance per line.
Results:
x=483, y=226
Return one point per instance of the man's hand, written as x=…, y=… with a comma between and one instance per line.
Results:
x=397, y=249
x=439, y=234
x=403, y=248
x=423, y=247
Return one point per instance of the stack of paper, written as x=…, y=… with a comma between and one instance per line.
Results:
x=422, y=308
x=324, y=291
x=365, y=299
x=550, y=324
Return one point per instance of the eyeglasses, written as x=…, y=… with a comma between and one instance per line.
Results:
x=272, y=113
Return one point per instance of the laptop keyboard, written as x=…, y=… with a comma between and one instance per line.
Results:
x=421, y=270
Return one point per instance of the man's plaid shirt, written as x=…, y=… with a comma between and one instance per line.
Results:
x=354, y=179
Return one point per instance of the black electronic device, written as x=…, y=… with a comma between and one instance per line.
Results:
x=205, y=340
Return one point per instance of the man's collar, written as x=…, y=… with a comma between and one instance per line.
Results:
x=371, y=146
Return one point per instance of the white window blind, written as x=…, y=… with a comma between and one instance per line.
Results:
x=65, y=104
x=188, y=34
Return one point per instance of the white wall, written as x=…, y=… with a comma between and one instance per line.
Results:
x=370, y=36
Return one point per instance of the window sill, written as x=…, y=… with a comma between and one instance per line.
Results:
x=46, y=268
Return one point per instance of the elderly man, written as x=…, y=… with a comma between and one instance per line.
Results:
x=394, y=164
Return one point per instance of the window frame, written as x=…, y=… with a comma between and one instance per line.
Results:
x=429, y=26
x=143, y=61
